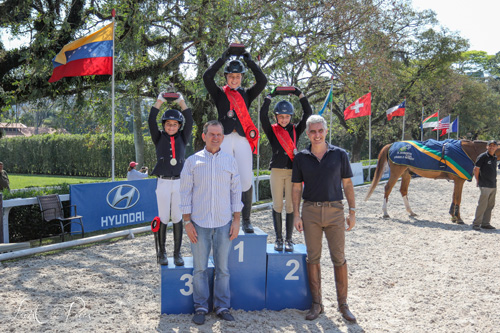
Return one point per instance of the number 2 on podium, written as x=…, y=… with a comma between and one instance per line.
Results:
x=296, y=265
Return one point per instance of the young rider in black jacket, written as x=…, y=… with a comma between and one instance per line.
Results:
x=240, y=134
x=170, y=143
x=283, y=137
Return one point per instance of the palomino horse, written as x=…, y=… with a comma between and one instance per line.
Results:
x=471, y=148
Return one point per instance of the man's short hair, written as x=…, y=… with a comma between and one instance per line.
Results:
x=315, y=119
x=212, y=123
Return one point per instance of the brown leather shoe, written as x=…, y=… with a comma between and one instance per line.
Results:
x=315, y=310
x=344, y=309
x=489, y=226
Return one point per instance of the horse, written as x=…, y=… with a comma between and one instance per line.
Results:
x=471, y=148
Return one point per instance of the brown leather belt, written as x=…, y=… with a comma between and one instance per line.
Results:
x=324, y=203
x=169, y=178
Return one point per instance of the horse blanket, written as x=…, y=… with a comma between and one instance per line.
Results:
x=446, y=156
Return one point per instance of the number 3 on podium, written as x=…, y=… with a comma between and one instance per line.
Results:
x=189, y=285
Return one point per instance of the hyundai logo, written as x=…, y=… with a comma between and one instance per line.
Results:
x=123, y=197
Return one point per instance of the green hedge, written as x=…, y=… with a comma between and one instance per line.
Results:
x=72, y=155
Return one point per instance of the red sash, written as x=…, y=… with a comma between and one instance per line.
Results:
x=285, y=140
x=237, y=103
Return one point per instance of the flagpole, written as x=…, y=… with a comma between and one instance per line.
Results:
x=331, y=110
x=113, y=14
x=404, y=117
x=437, y=132
x=258, y=143
x=370, y=141
x=422, y=125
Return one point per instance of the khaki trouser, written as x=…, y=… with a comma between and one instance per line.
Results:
x=281, y=181
x=330, y=220
x=485, y=206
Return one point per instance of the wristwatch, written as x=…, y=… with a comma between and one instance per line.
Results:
x=353, y=209
x=186, y=222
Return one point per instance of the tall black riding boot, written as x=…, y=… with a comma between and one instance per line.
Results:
x=246, y=198
x=289, y=232
x=162, y=237
x=178, y=230
x=278, y=228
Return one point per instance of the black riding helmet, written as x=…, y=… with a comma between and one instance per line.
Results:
x=172, y=114
x=283, y=107
x=234, y=66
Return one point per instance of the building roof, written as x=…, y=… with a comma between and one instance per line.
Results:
x=17, y=129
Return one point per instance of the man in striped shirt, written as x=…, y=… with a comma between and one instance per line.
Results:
x=211, y=205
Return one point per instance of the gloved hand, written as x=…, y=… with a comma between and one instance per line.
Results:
x=160, y=97
x=273, y=92
x=181, y=98
x=297, y=91
x=246, y=56
x=225, y=55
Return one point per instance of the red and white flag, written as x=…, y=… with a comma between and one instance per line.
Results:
x=396, y=111
x=360, y=108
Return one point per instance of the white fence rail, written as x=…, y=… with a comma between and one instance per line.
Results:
x=9, y=204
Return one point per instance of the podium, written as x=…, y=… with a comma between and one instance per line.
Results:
x=247, y=266
x=287, y=283
x=260, y=278
x=177, y=286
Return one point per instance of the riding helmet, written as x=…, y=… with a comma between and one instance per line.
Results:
x=172, y=114
x=234, y=66
x=283, y=107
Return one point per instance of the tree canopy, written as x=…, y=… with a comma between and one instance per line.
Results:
x=353, y=45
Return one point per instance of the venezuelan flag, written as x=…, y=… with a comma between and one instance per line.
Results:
x=90, y=55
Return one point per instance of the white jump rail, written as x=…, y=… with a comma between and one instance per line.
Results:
x=58, y=246
x=7, y=206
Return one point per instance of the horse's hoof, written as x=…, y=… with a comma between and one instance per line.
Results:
x=386, y=216
x=454, y=219
x=413, y=214
x=460, y=221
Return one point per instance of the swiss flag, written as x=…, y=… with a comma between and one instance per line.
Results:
x=360, y=108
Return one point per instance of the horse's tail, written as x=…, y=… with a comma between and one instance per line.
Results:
x=382, y=160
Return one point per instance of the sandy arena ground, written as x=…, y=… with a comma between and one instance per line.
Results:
x=420, y=274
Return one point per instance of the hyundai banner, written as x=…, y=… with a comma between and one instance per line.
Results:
x=115, y=204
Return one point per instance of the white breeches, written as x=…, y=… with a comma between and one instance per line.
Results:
x=239, y=148
x=169, y=200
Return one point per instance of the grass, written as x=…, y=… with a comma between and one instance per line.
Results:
x=19, y=181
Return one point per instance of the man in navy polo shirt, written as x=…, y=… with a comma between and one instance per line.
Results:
x=324, y=169
x=485, y=172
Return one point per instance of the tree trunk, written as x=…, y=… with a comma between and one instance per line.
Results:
x=359, y=139
x=138, y=135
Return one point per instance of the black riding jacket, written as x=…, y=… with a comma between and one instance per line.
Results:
x=280, y=158
x=162, y=143
x=221, y=101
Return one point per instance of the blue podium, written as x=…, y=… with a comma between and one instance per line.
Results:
x=247, y=266
x=287, y=282
x=177, y=286
x=260, y=278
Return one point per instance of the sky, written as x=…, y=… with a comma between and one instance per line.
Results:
x=475, y=20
